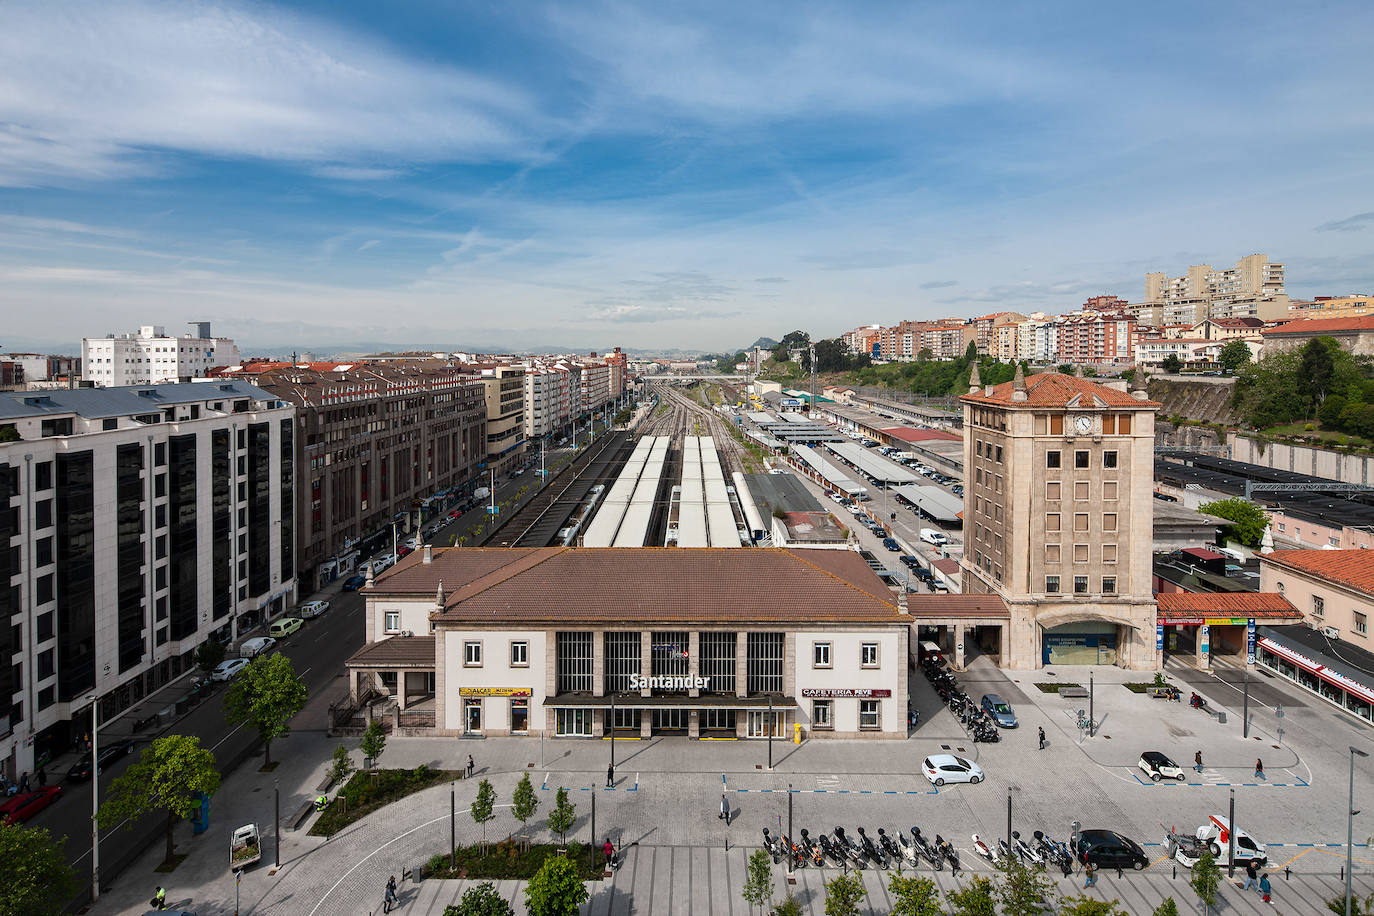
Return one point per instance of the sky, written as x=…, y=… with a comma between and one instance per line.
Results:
x=510, y=176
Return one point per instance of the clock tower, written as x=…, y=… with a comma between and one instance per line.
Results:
x=1058, y=517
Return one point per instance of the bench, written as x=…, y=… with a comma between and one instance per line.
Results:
x=1071, y=693
x=1162, y=693
x=297, y=820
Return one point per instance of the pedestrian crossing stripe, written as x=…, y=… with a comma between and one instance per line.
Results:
x=930, y=791
x=1300, y=784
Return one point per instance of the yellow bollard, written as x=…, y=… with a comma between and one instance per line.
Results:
x=796, y=733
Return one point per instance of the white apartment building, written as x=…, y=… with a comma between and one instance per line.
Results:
x=548, y=399
x=136, y=523
x=150, y=357
x=1037, y=339
x=1253, y=275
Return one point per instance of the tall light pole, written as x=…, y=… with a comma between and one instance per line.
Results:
x=1245, y=713
x=95, y=799
x=1350, y=813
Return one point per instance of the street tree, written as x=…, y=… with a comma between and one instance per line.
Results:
x=171, y=776
x=843, y=894
x=482, y=900
x=1167, y=908
x=973, y=899
x=523, y=801
x=1318, y=368
x=374, y=742
x=35, y=879
x=758, y=880
x=210, y=654
x=1083, y=905
x=914, y=897
x=1171, y=364
x=1023, y=890
x=341, y=767
x=1248, y=520
x=971, y=352
x=1235, y=354
x=790, y=906
x=1205, y=881
x=563, y=815
x=484, y=806
x=556, y=889
x=266, y=695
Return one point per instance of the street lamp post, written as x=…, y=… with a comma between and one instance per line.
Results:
x=770, y=733
x=1350, y=824
x=1231, y=838
x=95, y=799
x=611, y=724
x=276, y=817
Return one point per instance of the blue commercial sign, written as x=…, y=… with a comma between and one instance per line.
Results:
x=1204, y=639
x=1159, y=637
x=1250, y=641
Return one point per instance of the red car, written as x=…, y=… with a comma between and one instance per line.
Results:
x=25, y=805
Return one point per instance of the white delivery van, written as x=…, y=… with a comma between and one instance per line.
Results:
x=931, y=536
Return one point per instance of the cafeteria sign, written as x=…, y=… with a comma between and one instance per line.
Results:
x=842, y=693
x=494, y=691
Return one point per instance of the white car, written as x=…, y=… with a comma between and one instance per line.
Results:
x=1158, y=766
x=254, y=647
x=312, y=609
x=228, y=669
x=943, y=768
x=383, y=563
x=931, y=536
x=1216, y=833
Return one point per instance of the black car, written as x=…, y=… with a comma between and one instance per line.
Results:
x=891, y=544
x=909, y=561
x=1108, y=849
x=353, y=583
x=109, y=753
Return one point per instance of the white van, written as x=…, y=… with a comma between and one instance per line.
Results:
x=931, y=536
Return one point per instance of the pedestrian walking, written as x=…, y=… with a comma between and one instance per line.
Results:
x=42, y=777
x=24, y=782
x=724, y=809
x=1264, y=888
x=389, y=897
x=1197, y=761
x=610, y=776
x=159, y=900
x=609, y=850
x=471, y=766
x=1259, y=768
x=1251, y=876
x=1042, y=738
x=1090, y=873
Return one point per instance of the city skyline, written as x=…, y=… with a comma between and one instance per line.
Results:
x=320, y=175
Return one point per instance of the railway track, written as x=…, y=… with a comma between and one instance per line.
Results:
x=687, y=416
x=538, y=521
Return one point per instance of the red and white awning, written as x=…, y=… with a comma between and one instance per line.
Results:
x=1335, y=678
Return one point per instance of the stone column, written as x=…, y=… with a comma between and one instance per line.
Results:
x=693, y=662
x=959, y=646
x=646, y=669
x=741, y=664
x=598, y=663
x=400, y=690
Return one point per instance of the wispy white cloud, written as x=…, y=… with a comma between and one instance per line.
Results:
x=1356, y=223
x=94, y=90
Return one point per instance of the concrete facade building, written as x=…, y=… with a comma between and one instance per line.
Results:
x=136, y=523
x=1253, y=275
x=1353, y=334
x=1334, y=589
x=1096, y=337
x=1058, y=517
x=505, y=402
x=150, y=357
x=1356, y=305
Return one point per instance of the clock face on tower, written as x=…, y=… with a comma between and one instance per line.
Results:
x=1082, y=424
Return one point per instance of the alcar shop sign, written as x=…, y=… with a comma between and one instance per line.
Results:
x=842, y=693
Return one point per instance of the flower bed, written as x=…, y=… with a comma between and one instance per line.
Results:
x=508, y=859
x=1054, y=686
x=369, y=790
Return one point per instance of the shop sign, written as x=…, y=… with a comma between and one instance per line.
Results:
x=1250, y=641
x=1227, y=621
x=669, y=682
x=843, y=693
x=1204, y=640
x=1159, y=637
x=494, y=691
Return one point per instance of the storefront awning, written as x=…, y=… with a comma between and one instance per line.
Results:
x=670, y=701
x=1318, y=664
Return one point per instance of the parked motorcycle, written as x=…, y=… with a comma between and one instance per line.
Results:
x=981, y=848
x=871, y=849
x=927, y=851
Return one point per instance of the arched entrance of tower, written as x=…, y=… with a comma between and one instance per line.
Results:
x=1079, y=642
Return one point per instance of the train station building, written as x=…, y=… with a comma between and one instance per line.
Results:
x=577, y=642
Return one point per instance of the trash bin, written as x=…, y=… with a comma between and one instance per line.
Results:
x=1221, y=718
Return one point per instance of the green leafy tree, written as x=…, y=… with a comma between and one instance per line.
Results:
x=484, y=806
x=1233, y=355
x=758, y=880
x=171, y=776
x=523, y=801
x=482, y=900
x=914, y=897
x=266, y=695
x=1318, y=370
x=971, y=352
x=1023, y=890
x=374, y=741
x=35, y=879
x=1167, y=908
x=843, y=894
x=790, y=906
x=1358, y=907
x=1171, y=364
x=976, y=898
x=556, y=890
x=563, y=815
x=925, y=354
x=1248, y=520
x=341, y=767
x=210, y=654
x=1205, y=881
x=8, y=433
x=1083, y=905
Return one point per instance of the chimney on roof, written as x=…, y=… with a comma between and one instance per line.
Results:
x=1018, y=385
x=1078, y=372
x=439, y=596
x=1142, y=380
x=427, y=555
x=901, y=602
x=974, y=382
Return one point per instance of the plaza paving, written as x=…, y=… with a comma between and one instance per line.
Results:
x=687, y=860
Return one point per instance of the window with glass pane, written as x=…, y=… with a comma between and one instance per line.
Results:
x=1052, y=585
x=519, y=655
x=472, y=653
x=868, y=655
x=820, y=655
x=764, y=664
x=1052, y=459
x=716, y=660
x=1109, y=585
x=622, y=659
x=670, y=657
x=574, y=662
x=1080, y=585
x=393, y=621
x=820, y=714
x=869, y=714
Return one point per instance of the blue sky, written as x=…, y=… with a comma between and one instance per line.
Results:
x=591, y=174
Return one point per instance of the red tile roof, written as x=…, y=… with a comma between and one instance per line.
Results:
x=1054, y=389
x=1352, y=568
x=1308, y=326
x=1246, y=604
x=912, y=434
x=946, y=565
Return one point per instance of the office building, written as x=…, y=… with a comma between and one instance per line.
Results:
x=150, y=357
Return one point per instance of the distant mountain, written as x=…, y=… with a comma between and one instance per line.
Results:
x=766, y=343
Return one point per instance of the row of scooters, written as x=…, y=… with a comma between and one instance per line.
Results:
x=842, y=849
x=1041, y=850
x=975, y=719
